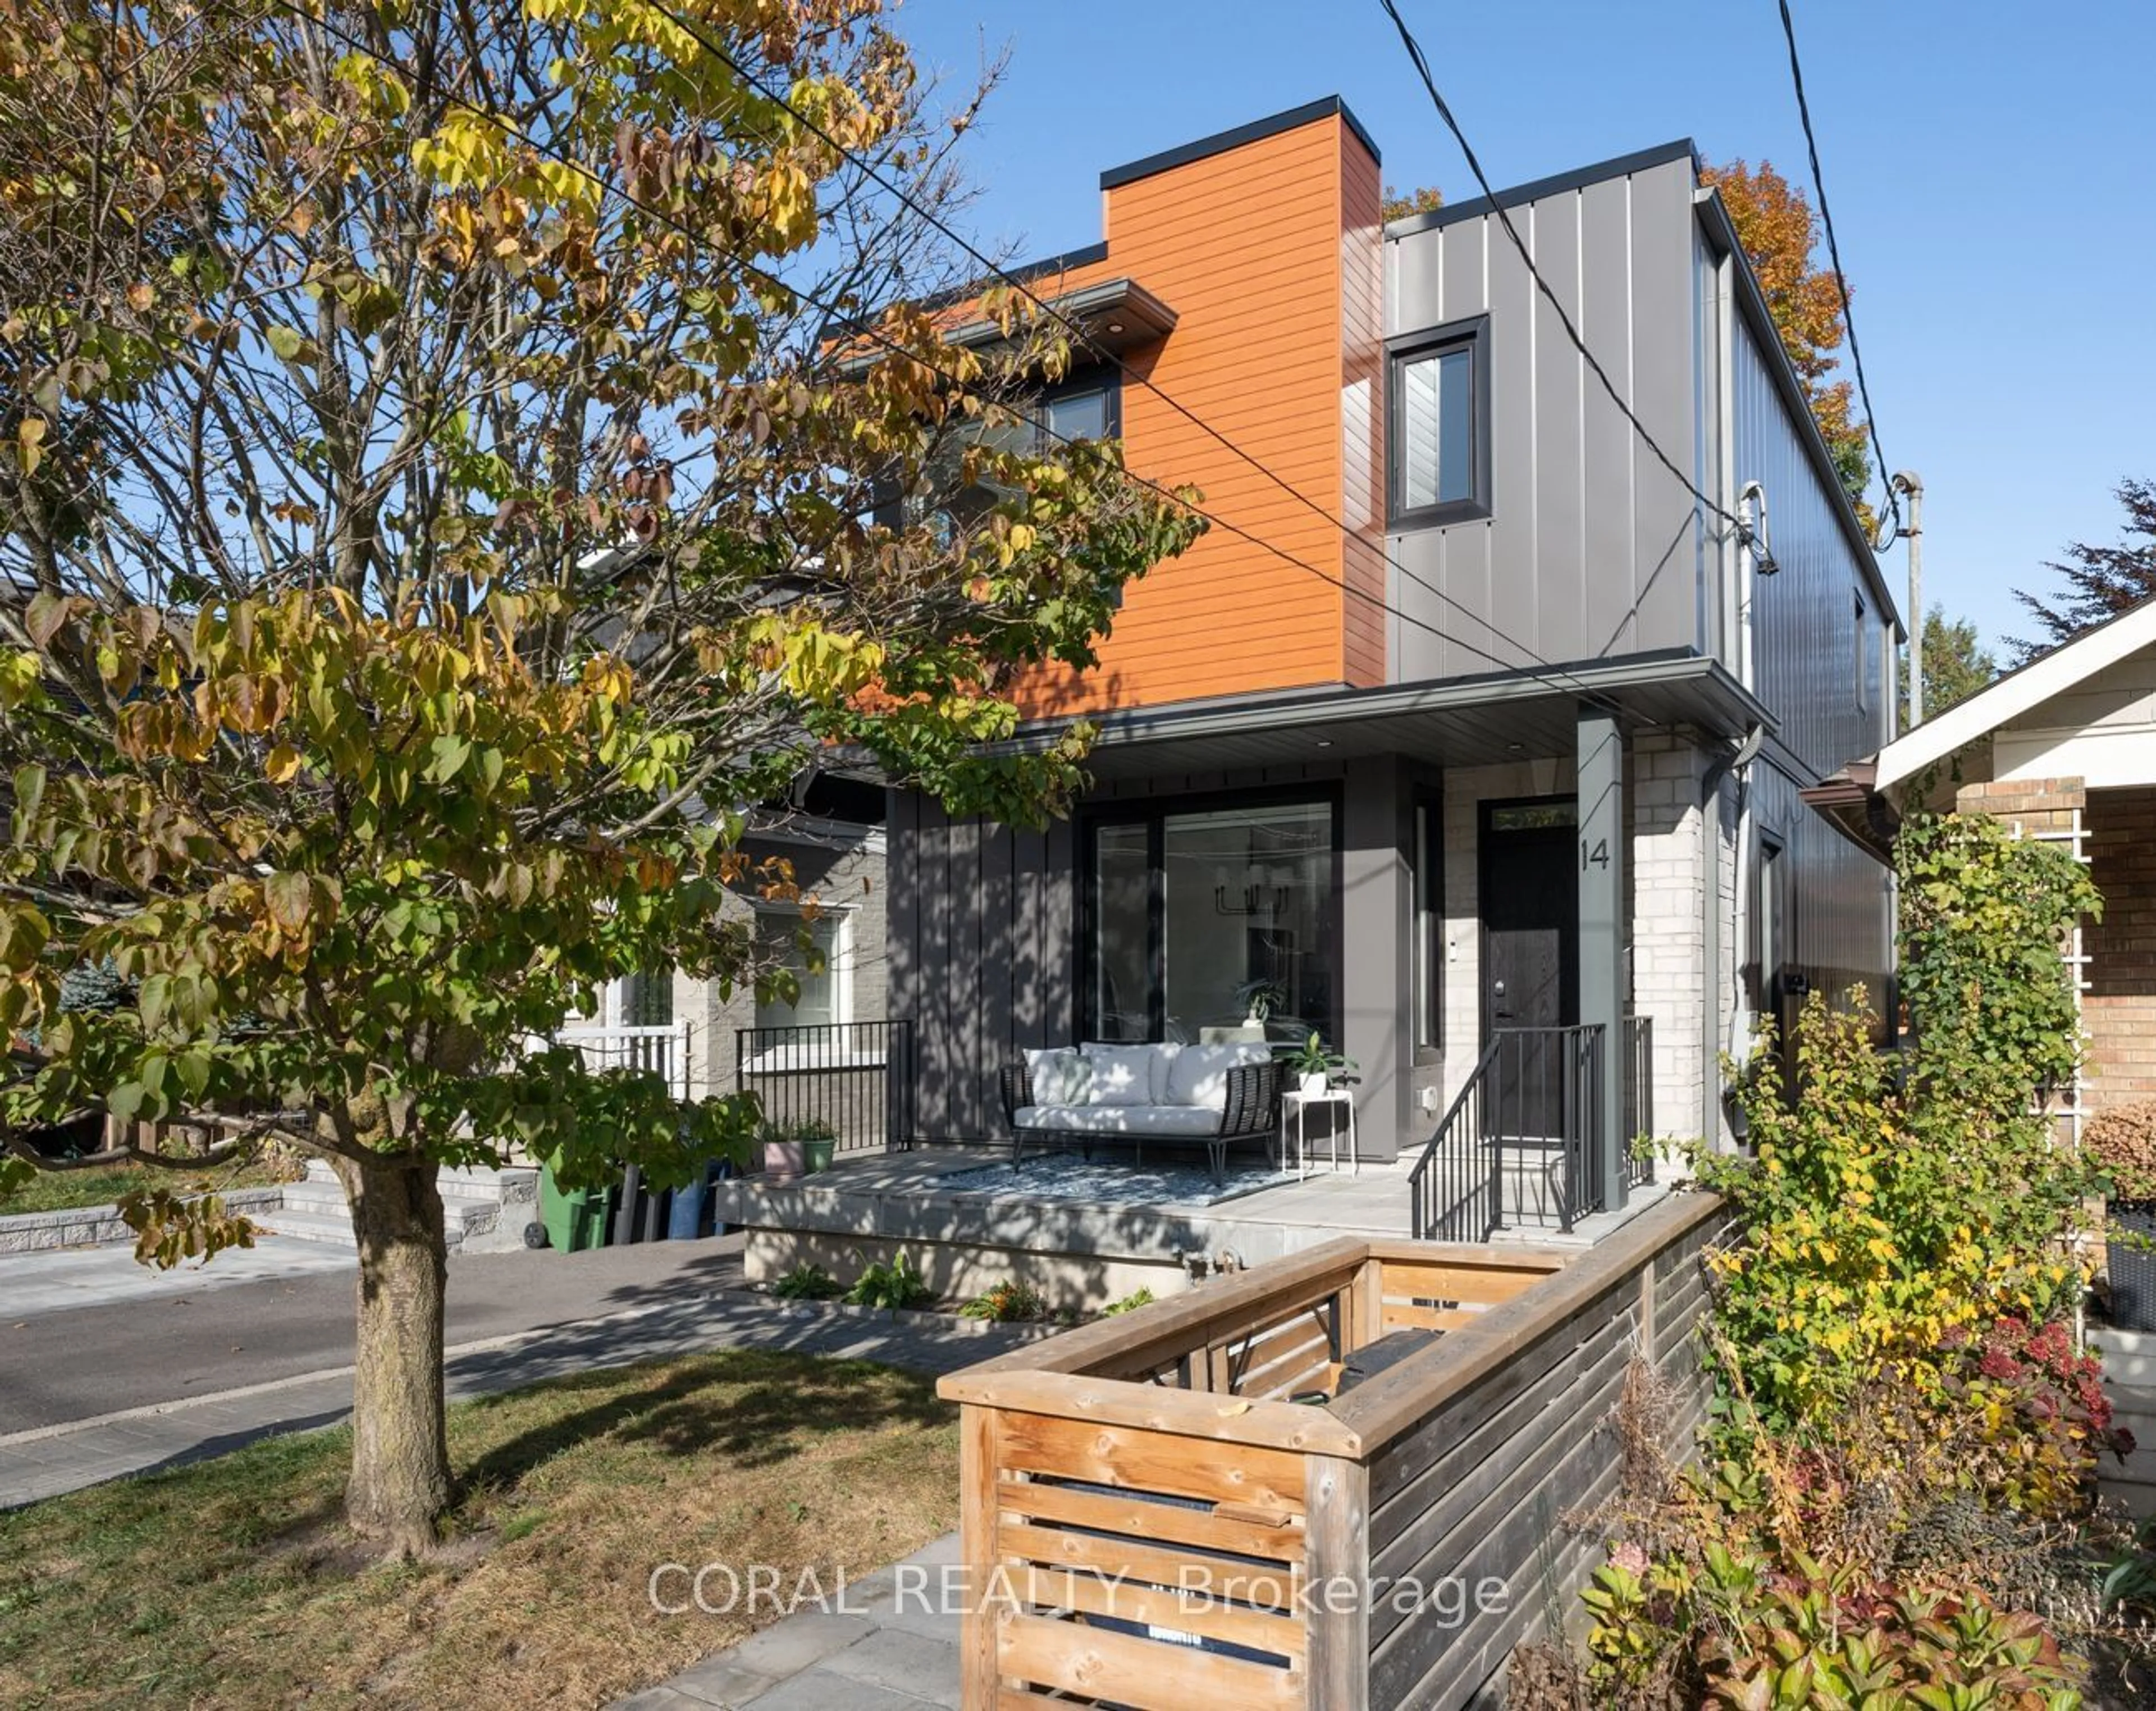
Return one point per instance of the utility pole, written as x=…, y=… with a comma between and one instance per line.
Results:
x=1911, y=488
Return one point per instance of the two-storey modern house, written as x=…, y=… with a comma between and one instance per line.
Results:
x=1476, y=710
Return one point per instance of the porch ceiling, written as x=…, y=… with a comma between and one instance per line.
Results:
x=1456, y=722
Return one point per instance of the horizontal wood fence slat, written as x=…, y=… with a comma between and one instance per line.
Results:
x=1149, y=1522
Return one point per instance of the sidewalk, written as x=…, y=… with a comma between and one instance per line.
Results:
x=893, y=1647
x=49, y=1461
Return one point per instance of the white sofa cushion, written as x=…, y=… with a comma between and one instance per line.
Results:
x=1122, y=1074
x=1162, y=1120
x=1198, y=1076
x=1061, y=1075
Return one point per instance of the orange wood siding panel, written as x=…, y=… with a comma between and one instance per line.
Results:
x=1362, y=407
x=1251, y=248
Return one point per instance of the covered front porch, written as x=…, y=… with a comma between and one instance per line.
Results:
x=1507, y=898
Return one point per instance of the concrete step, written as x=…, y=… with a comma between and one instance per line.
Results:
x=308, y=1215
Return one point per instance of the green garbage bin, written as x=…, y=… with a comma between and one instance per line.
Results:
x=575, y=1218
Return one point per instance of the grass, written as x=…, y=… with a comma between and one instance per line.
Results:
x=232, y=1582
x=63, y=1190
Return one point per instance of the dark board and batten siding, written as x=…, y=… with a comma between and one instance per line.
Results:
x=983, y=935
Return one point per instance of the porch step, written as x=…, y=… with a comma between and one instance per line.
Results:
x=1529, y=1182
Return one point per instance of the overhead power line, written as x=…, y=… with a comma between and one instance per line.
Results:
x=1017, y=283
x=1526, y=258
x=510, y=129
x=1834, y=255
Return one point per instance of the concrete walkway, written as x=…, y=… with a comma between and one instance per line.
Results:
x=46, y=1460
x=890, y=1644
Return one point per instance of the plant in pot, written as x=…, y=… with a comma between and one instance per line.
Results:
x=1317, y=1069
x=1258, y=998
x=2122, y=1143
x=818, y=1142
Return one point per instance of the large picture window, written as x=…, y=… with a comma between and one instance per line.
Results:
x=1197, y=918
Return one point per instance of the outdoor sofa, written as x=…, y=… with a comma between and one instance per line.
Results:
x=1099, y=1092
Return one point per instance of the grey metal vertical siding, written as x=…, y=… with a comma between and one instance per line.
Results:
x=1806, y=640
x=1591, y=548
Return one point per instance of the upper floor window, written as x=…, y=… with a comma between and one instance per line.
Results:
x=1087, y=406
x=1086, y=410
x=1439, y=426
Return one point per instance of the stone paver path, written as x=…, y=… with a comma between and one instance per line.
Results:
x=890, y=1644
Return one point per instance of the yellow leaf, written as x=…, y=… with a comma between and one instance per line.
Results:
x=283, y=763
x=29, y=436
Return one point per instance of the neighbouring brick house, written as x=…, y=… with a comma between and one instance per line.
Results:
x=2063, y=749
x=1473, y=718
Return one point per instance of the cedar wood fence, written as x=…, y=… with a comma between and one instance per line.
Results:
x=1149, y=1521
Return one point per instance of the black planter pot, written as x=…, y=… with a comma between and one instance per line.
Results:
x=2132, y=1264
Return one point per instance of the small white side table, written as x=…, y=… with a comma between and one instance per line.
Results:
x=1300, y=1104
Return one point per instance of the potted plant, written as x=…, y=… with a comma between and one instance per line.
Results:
x=2122, y=1143
x=818, y=1142
x=1258, y=998
x=1318, y=1069
x=783, y=1153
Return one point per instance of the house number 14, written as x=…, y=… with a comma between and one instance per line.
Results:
x=1596, y=855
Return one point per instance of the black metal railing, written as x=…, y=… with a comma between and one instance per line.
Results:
x=1523, y=1143
x=1455, y=1183
x=1639, y=1101
x=854, y=1080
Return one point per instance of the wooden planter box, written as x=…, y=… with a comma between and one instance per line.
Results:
x=1149, y=1522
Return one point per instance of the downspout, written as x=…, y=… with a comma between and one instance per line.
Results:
x=1755, y=559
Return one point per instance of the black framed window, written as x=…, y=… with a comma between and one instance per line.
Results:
x=1198, y=916
x=1439, y=405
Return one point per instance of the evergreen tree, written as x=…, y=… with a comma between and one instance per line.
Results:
x=2101, y=582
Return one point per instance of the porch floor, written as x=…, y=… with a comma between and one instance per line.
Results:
x=906, y=1188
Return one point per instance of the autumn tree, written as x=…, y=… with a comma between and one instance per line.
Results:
x=2100, y=582
x=455, y=462
x=1775, y=224
x=1426, y=198
x=1957, y=665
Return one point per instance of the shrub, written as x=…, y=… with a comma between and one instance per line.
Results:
x=807, y=1282
x=1763, y=1641
x=1984, y=915
x=1142, y=1296
x=1006, y=1303
x=2122, y=1142
x=1877, y=1219
x=893, y=1286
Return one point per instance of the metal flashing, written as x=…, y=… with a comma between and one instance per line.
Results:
x=1255, y=131
x=1618, y=167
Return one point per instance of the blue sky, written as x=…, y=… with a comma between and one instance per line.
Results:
x=1989, y=164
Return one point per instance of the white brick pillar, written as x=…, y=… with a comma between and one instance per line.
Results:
x=1670, y=980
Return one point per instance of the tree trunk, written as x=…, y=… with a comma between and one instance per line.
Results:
x=400, y=1455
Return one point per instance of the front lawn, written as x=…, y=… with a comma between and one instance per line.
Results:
x=232, y=1582
x=63, y=1190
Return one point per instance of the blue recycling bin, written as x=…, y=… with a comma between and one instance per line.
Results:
x=691, y=1217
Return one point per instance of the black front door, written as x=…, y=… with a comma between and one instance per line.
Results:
x=1530, y=956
